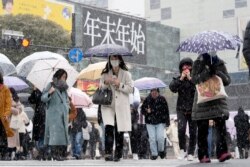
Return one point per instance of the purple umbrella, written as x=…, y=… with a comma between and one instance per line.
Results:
x=210, y=41
x=15, y=83
x=148, y=83
x=105, y=50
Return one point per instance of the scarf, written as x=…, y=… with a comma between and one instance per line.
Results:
x=60, y=84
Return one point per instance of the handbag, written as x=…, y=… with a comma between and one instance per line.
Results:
x=211, y=89
x=102, y=96
x=15, y=121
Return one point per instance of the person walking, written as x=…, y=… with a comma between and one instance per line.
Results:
x=39, y=123
x=186, y=90
x=86, y=137
x=116, y=117
x=57, y=115
x=241, y=122
x=155, y=109
x=134, y=138
x=93, y=141
x=206, y=66
x=5, y=112
x=172, y=131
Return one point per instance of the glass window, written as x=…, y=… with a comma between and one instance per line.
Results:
x=166, y=13
x=240, y=3
x=228, y=13
x=155, y=4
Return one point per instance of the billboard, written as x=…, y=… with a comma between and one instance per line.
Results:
x=106, y=27
x=58, y=12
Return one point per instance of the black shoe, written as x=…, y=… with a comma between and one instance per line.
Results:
x=153, y=157
x=109, y=158
x=116, y=159
x=162, y=154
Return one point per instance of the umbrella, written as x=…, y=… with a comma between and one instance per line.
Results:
x=79, y=98
x=92, y=71
x=105, y=50
x=210, y=41
x=148, y=83
x=25, y=65
x=43, y=71
x=6, y=66
x=15, y=83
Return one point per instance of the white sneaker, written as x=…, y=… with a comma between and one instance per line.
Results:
x=190, y=157
x=182, y=154
x=135, y=157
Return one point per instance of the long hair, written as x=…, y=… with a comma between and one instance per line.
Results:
x=108, y=66
x=14, y=94
x=59, y=73
x=1, y=78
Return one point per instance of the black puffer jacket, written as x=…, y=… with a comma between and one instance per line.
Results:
x=246, y=45
x=184, y=88
x=202, y=71
x=159, y=110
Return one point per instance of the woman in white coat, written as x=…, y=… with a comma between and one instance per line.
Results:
x=117, y=116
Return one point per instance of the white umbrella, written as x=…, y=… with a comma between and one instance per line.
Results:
x=79, y=98
x=6, y=66
x=43, y=71
x=25, y=65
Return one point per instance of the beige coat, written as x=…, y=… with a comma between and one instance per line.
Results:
x=120, y=107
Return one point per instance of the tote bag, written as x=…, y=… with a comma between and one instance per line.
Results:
x=15, y=121
x=102, y=96
x=211, y=89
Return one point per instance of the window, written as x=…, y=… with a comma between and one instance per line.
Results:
x=155, y=4
x=166, y=13
x=240, y=3
x=228, y=13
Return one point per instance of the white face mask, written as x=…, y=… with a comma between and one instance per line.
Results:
x=115, y=63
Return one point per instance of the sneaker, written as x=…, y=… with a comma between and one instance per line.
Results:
x=135, y=157
x=153, y=157
x=190, y=157
x=162, y=154
x=224, y=157
x=182, y=154
x=205, y=160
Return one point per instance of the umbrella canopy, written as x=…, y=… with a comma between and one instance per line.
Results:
x=43, y=71
x=25, y=65
x=15, y=83
x=148, y=83
x=105, y=50
x=6, y=66
x=79, y=98
x=210, y=41
x=92, y=71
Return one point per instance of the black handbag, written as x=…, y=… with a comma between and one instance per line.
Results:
x=102, y=96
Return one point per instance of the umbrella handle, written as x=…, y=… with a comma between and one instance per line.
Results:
x=238, y=52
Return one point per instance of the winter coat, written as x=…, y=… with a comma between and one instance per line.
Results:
x=172, y=131
x=184, y=88
x=79, y=122
x=159, y=110
x=25, y=121
x=5, y=110
x=246, y=45
x=39, y=115
x=72, y=111
x=120, y=106
x=241, y=122
x=57, y=117
x=202, y=71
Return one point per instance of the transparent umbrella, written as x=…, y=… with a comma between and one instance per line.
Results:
x=25, y=65
x=6, y=66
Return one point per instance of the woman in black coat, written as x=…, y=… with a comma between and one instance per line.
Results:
x=38, y=122
x=205, y=66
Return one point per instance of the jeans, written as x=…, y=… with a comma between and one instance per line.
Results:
x=76, y=142
x=156, y=138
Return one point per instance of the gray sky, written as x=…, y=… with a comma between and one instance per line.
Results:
x=134, y=7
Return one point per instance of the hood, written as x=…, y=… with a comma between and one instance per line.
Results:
x=240, y=110
x=185, y=61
